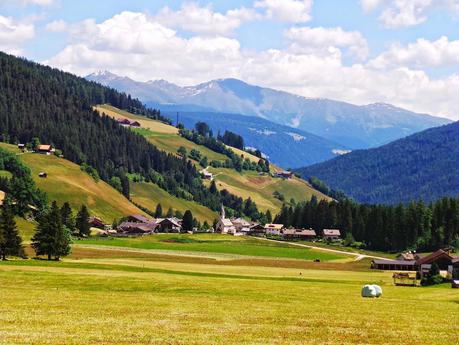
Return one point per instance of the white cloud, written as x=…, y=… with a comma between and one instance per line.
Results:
x=13, y=34
x=423, y=53
x=370, y=5
x=38, y=2
x=308, y=39
x=135, y=45
x=291, y=11
x=203, y=20
x=405, y=13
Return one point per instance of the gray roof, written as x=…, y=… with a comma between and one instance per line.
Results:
x=394, y=262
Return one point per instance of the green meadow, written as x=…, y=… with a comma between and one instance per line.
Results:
x=215, y=243
x=125, y=296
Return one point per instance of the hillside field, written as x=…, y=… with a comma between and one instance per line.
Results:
x=149, y=195
x=66, y=182
x=245, y=184
x=127, y=296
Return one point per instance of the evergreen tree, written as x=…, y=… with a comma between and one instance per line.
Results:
x=159, y=211
x=187, y=223
x=67, y=217
x=82, y=221
x=170, y=213
x=10, y=241
x=51, y=238
x=269, y=217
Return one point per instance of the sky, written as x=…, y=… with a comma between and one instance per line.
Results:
x=402, y=52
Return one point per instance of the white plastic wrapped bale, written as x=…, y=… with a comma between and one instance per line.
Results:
x=371, y=291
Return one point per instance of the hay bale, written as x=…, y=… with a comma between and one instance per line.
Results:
x=371, y=291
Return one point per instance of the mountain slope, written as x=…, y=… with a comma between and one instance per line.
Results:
x=245, y=184
x=66, y=182
x=423, y=166
x=285, y=146
x=347, y=124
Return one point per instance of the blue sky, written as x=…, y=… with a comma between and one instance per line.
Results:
x=404, y=52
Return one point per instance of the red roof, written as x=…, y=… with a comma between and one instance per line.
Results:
x=434, y=256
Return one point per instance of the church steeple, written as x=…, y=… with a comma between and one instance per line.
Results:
x=223, y=214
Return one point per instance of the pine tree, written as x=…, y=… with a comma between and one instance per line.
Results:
x=67, y=217
x=10, y=241
x=51, y=238
x=269, y=217
x=170, y=213
x=82, y=221
x=159, y=211
x=187, y=223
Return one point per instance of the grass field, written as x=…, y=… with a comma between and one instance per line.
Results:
x=66, y=182
x=245, y=184
x=149, y=195
x=129, y=297
x=261, y=188
x=215, y=243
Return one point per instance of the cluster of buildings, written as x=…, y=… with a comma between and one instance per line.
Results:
x=128, y=123
x=447, y=263
x=137, y=225
x=240, y=227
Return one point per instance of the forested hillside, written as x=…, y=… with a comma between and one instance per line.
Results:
x=38, y=103
x=423, y=166
x=389, y=228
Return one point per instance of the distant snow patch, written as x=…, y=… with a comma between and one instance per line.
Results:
x=341, y=152
x=296, y=136
x=295, y=122
x=266, y=132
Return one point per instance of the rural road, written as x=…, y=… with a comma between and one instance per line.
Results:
x=358, y=256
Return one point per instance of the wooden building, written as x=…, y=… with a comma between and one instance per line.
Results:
x=45, y=149
x=169, y=225
x=332, y=234
x=394, y=265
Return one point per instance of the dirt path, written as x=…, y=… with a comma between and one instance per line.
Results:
x=358, y=256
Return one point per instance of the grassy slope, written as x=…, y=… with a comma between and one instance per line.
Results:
x=245, y=184
x=66, y=182
x=149, y=195
x=146, y=301
x=214, y=243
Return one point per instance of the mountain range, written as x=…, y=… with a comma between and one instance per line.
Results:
x=351, y=126
x=423, y=166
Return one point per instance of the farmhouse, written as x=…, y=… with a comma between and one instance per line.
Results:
x=138, y=218
x=21, y=147
x=123, y=122
x=167, y=225
x=128, y=123
x=442, y=258
x=137, y=228
x=207, y=175
x=241, y=225
x=97, y=222
x=299, y=234
x=394, y=265
x=284, y=174
x=305, y=234
x=274, y=229
x=45, y=149
x=256, y=229
x=332, y=234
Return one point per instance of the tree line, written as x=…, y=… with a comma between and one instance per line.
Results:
x=416, y=226
x=56, y=107
x=202, y=135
